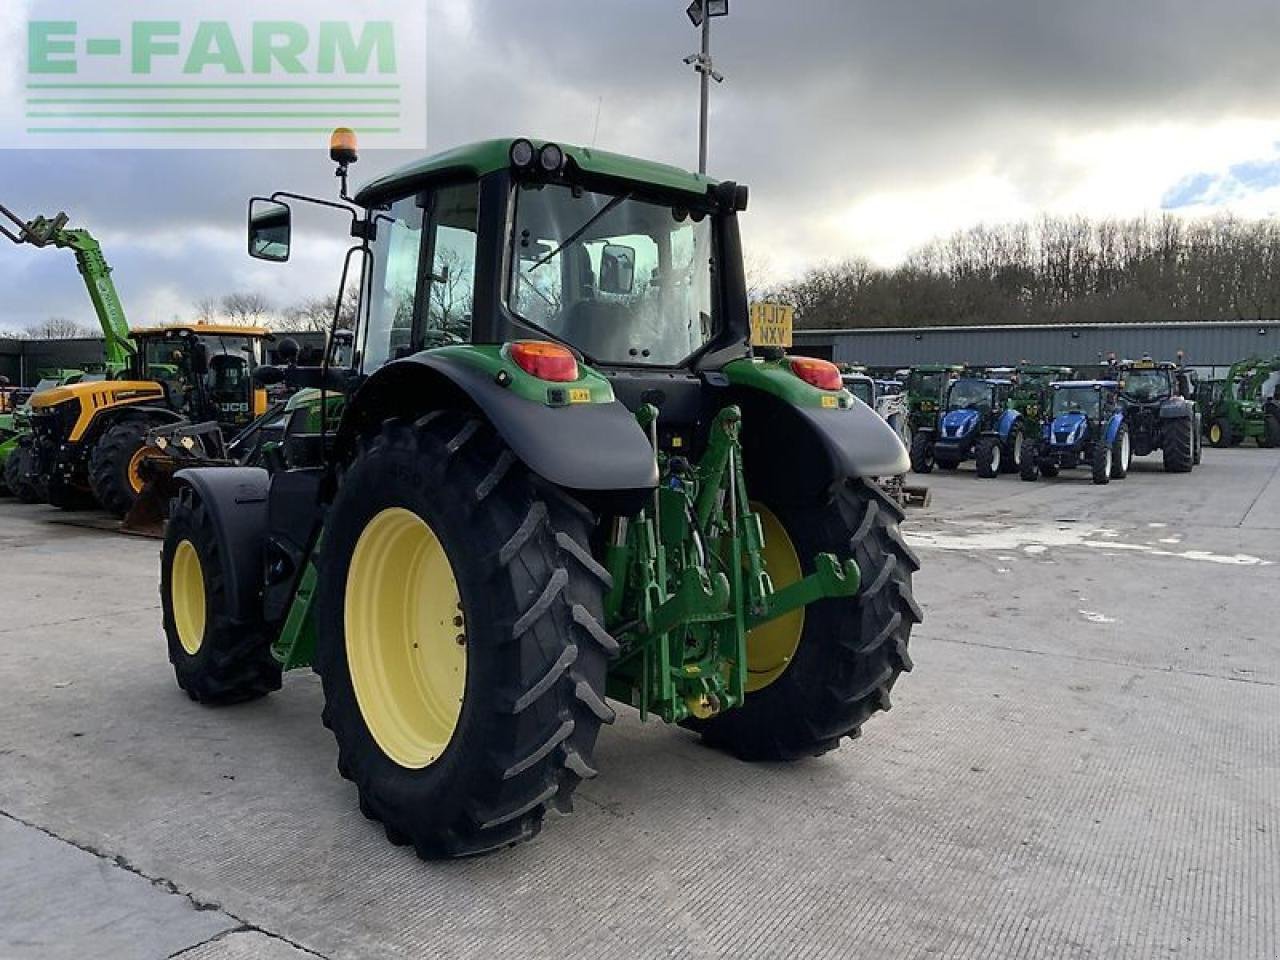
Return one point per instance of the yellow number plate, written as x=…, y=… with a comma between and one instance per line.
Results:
x=771, y=324
x=579, y=395
x=831, y=401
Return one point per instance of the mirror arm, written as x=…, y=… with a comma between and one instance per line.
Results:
x=348, y=209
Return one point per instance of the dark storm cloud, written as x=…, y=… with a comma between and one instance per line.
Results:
x=826, y=103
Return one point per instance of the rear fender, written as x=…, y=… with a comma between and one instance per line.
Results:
x=795, y=447
x=236, y=499
x=595, y=447
x=1006, y=423
x=1113, y=427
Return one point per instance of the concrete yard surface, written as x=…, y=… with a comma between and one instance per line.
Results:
x=1085, y=763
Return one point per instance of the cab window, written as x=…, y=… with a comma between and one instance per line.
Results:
x=450, y=284
x=396, y=254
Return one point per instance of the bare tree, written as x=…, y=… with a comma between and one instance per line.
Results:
x=316, y=313
x=60, y=328
x=246, y=308
x=207, y=310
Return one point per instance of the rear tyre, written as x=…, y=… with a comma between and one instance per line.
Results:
x=1220, y=433
x=216, y=660
x=1273, y=430
x=460, y=640
x=850, y=651
x=1177, y=445
x=1121, y=454
x=114, y=476
x=1101, y=462
x=1014, y=450
x=922, y=453
x=989, y=457
x=1049, y=469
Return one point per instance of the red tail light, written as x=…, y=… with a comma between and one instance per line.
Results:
x=544, y=360
x=822, y=374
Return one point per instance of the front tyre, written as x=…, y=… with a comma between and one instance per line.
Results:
x=847, y=652
x=460, y=638
x=114, y=466
x=1029, y=467
x=216, y=659
x=1101, y=462
x=17, y=472
x=922, y=452
x=989, y=457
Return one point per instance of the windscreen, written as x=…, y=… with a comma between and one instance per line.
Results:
x=1085, y=400
x=1145, y=385
x=969, y=395
x=623, y=280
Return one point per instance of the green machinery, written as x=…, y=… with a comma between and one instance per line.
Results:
x=1236, y=409
x=925, y=386
x=559, y=477
x=46, y=232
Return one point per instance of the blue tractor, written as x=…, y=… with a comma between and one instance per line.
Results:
x=977, y=422
x=1084, y=426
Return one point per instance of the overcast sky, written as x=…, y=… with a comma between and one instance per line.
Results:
x=863, y=128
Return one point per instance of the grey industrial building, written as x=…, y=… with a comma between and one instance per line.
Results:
x=1211, y=347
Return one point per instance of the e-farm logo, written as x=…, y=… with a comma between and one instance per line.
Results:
x=235, y=74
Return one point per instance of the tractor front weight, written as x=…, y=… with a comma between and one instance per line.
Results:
x=689, y=582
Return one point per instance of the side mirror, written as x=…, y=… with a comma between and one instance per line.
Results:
x=199, y=359
x=287, y=351
x=270, y=230
x=617, y=269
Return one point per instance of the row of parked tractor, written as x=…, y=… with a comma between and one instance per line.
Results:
x=1037, y=420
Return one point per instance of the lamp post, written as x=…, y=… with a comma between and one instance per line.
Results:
x=700, y=13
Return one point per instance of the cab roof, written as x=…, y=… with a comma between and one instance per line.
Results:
x=1086, y=383
x=215, y=329
x=487, y=156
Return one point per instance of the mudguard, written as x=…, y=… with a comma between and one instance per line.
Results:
x=1113, y=427
x=859, y=443
x=236, y=498
x=579, y=446
x=1007, y=420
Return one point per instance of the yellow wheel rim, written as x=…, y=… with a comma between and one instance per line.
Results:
x=134, y=470
x=186, y=591
x=771, y=645
x=1215, y=434
x=405, y=638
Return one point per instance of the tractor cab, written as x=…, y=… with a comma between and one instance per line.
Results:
x=206, y=371
x=926, y=386
x=862, y=387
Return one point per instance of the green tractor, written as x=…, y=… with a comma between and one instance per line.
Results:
x=559, y=478
x=925, y=387
x=1236, y=409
